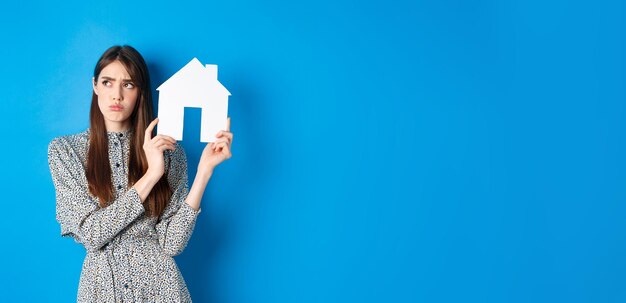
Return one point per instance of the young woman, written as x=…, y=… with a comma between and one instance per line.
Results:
x=122, y=192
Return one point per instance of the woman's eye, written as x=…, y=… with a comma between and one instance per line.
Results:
x=106, y=83
x=129, y=85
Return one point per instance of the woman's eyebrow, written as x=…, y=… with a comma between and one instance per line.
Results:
x=113, y=79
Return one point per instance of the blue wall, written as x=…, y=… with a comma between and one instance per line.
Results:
x=385, y=151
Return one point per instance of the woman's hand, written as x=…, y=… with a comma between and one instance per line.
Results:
x=216, y=152
x=154, y=147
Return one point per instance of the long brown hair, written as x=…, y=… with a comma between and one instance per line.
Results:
x=98, y=167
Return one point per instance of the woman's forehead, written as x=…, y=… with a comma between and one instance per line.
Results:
x=115, y=70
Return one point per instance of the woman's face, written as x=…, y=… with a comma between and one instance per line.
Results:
x=117, y=95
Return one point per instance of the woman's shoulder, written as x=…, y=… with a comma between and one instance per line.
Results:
x=75, y=141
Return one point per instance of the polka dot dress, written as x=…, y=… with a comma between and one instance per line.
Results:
x=129, y=255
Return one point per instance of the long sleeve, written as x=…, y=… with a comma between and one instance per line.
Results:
x=76, y=211
x=177, y=222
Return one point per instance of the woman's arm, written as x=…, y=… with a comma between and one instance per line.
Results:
x=178, y=220
x=212, y=155
x=197, y=189
x=78, y=214
x=144, y=185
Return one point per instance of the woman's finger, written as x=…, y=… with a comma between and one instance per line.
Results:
x=228, y=124
x=168, y=138
x=220, y=145
x=166, y=147
x=221, y=140
x=159, y=141
x=148, y=134
x=165, y=143
x=218, y=141
x=164, y=137
x=225, y=149
x=227, y=134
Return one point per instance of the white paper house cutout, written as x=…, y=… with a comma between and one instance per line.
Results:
x=194, y=85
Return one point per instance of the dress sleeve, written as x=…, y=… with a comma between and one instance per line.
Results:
x=77, y=212
x=176, y=224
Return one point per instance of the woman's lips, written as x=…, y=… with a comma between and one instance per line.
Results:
x=116, y=108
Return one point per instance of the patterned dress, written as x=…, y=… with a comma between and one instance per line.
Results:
x=129, y=255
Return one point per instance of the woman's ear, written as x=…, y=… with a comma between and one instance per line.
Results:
x=93, y=83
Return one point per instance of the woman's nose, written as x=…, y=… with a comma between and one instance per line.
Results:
x=117, y=94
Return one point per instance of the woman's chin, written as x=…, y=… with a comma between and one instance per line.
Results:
x=116, y=117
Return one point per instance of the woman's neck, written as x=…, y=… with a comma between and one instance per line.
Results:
x=117, y=127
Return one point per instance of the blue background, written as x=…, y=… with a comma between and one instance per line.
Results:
x=385, y=151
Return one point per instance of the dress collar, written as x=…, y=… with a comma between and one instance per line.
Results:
x=123, y=134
